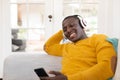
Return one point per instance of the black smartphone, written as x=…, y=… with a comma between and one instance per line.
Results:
x=41, y=72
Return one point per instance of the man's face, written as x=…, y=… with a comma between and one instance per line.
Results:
x=72, y=30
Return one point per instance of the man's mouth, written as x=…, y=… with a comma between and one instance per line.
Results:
x=73, y=35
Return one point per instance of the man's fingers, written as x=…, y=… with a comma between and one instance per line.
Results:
x=47, y=78
x=55, y=73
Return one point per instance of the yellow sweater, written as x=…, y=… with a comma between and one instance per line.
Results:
x=88, y=59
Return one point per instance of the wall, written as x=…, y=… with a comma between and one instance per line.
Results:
x=108, y=20
x=116, y=18
x=4, y=32
x=1, y=60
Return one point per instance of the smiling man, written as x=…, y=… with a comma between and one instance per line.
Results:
x=84, y=58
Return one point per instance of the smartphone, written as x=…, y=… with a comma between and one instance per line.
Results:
x=41, y=72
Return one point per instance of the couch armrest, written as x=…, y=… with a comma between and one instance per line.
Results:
x=20, y=66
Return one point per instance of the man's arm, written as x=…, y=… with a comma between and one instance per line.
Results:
x=53, y=46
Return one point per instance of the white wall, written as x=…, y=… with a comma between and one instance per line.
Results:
x=109, y=18
x=116, y=18
x=1, y=55
x=4, y=32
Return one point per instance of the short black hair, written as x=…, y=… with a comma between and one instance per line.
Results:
x=76, y=17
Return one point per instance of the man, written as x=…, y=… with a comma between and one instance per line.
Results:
x=84, y=58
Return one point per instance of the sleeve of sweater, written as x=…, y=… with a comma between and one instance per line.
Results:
x=102, y=70
x=53, y=46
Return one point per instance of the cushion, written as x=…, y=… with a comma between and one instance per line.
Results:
x=114, y=42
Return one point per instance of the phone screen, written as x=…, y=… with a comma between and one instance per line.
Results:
x=41, y=72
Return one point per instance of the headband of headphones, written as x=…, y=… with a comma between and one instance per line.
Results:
x=83, y=23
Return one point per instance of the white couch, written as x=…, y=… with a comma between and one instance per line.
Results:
x=21, y=66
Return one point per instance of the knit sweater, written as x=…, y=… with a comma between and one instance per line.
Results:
x=87, y=59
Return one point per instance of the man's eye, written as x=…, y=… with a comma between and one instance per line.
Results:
x=64, y=29
x=71, y=25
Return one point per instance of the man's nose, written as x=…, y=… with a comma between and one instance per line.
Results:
x=68, y=29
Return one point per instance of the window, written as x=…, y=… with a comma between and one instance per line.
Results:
x=27, y=25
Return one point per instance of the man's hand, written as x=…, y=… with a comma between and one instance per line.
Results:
x=58, y=76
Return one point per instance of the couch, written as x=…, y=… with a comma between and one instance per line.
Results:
x=21, y=66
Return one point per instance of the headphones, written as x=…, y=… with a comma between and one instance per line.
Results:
x=82, y=22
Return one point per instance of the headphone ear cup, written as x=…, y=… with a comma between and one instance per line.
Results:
x=82, y=22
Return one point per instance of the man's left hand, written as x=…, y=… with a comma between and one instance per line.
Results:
x=58, y=76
